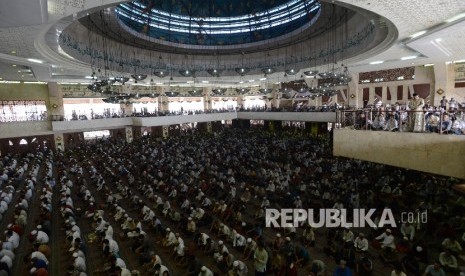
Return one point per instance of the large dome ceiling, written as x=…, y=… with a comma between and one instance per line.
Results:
x=221, y=36
x=217, y=22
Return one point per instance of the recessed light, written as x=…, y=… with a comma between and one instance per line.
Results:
x=408, y=57
x=429, y=64
x=418, y=34
x=35, y=60
x=376, y=62
x=13, y=52
x=204, y=81
x=14, y=65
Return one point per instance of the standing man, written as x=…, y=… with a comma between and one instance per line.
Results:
x=260, y=260
x=416, y=116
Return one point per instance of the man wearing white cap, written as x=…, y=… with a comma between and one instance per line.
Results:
x=170, y=238
x=205, y=271
x=79, y=263
x=161, y=270
x=387, y=239
x=40, y=236
x=249, y=248
x=239, y=269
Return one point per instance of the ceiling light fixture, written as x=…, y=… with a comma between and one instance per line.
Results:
x=35, y=60
x=408, y=57
x=417, y=34
x=376, y=62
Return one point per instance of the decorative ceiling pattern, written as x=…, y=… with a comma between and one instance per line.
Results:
x=412, y=16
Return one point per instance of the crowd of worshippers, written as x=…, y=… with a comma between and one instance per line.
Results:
x=195, y=205
x=19, y=188
x=431, y=119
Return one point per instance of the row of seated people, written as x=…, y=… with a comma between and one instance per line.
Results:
x=35, y=262
x=245, y=195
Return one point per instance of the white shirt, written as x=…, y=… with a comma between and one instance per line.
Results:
x=387, y=241
x=42, y=237
x=80, y=264
x=361, y=244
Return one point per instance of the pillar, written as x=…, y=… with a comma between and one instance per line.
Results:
x=444, y=79
x=55, y=108
x=354, y=93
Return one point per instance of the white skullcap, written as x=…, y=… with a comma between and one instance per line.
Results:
x=249, y=240
x=34, y=232
x=75, y=254
x=220, y=242
x=33, y=270
x=204, y=268
x=388, y=230
x=278, y=235
x=235, y=263
x=419, y=249
x=168, y=230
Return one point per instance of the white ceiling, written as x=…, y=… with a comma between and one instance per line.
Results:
x=26, y=24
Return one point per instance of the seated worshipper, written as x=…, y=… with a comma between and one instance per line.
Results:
x=448, y=261
x=432, y=122
x=249, y=248
x=211, y=247
x=342, y=269
x=238, y=240
x=317, y=268
x=347, y=236
x=452, y=245
x=308, y=236
x=386, y=239
x=408, y=231
x=278, y=242
x=361, y=243
x=398, y=271
x=110, y=247
x=364, y=267
x=170, y=238
x=161, y=270
x=218, y=255
x=225, y=262
x=204, y=271
x=154, y=260
x=434, y=270
x=379, y=123
x=446, y=124
x=392, y=123
x=302, y=257
x=239, y=268
x=39, y=237
x=413, y=260
x=458, y=127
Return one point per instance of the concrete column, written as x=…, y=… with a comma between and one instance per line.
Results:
x=59, y=141
x=55, y=107
x=384, y=95
x=393, y=90
x=444, y=78
x=207, y=100
x=128, y=134
x=127, y=109
x=354, y=89
x=371, y=98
